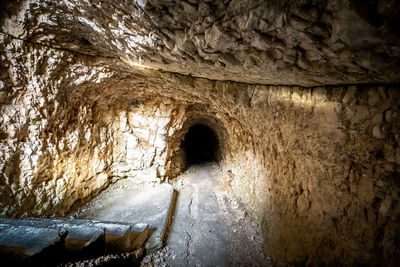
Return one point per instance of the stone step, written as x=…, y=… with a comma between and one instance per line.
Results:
x=19, y=243
x=78, y=238
x=119, y=236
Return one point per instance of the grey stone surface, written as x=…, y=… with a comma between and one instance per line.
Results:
x=199, y=235
x=148, y=205
x=208, y=230
x=118, y=236
x=20, y=239
x=83, y=230
x=26, y=241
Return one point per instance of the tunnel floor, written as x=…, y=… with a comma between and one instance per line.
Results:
x=208, y=226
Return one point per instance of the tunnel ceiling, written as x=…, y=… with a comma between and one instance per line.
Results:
x=304, y=43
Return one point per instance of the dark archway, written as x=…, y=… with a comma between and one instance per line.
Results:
x=200, y=145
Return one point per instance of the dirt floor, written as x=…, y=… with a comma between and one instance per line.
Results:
x=209, y=227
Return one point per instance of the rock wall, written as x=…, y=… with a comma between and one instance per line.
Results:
x=325, y=173
x=47, y=130
x=61, y=142
x=319, y=167
x=140, y=147
x=292, y=42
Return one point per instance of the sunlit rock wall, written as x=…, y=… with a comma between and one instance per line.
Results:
x=61, y=141
x=47, y=130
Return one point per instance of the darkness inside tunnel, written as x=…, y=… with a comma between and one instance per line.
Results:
x=200, y=145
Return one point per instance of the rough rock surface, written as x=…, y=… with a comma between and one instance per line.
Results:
x=318, y=167
x=59, y=141
x=292, y=42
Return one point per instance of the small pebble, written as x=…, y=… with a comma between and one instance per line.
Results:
x=147, y=259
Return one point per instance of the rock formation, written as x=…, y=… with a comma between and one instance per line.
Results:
x=301, y=95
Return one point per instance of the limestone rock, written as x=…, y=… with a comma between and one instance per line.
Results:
x=274, y=42
x=379, y=132
x=82, y=106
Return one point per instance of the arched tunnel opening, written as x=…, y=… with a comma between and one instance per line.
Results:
x=200, y=145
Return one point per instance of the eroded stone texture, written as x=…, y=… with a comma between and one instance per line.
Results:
x=318, y=167
x=63, y=135
x=292, y=42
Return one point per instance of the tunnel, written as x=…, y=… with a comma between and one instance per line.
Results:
x=200, y=145
x=267, y=130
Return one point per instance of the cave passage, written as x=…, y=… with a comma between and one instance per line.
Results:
x=200, y=145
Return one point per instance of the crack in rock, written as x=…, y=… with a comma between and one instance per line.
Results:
x=190, y=206
x=189, y=236
x=188, y=246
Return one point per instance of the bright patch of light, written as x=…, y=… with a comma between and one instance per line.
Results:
x=90, y=23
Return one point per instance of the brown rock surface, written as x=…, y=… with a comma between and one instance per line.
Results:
x=288, y=42
x=318, y=167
